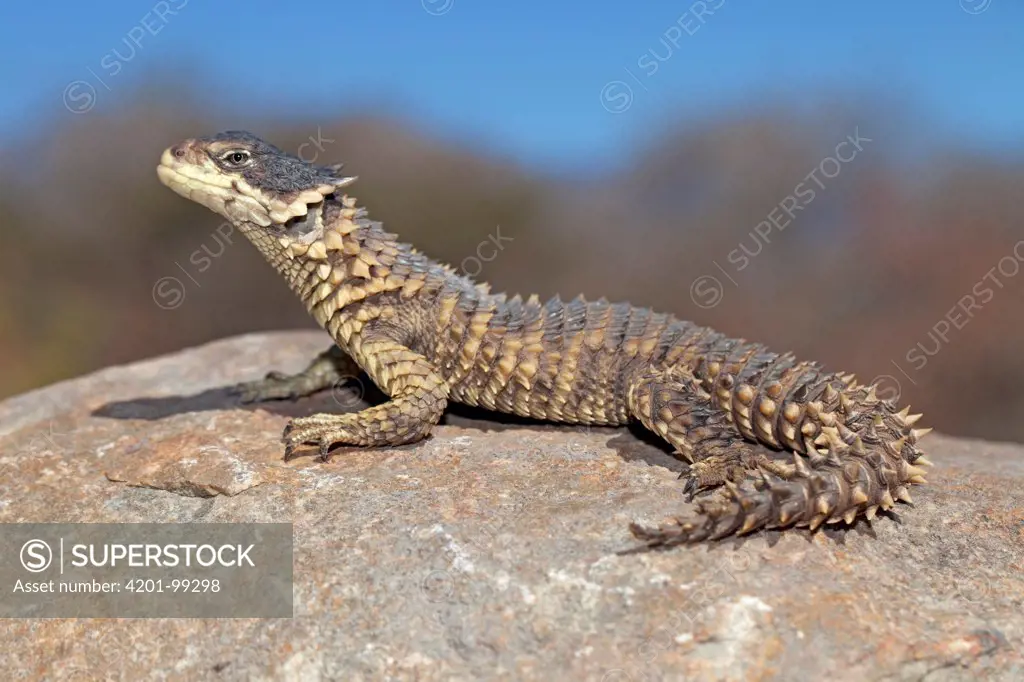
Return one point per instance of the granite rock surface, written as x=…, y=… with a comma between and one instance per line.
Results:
x=493, y=550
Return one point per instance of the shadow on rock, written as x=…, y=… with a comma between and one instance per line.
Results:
x=349, y=398
x=632, y=444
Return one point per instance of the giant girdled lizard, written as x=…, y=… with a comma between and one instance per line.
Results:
x=776, y=442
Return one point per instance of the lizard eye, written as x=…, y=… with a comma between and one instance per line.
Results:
x=236, y=158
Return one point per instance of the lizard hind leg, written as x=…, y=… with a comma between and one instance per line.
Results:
x=863, y=459
x=674, y=404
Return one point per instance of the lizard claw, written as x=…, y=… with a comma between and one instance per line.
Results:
x=696, y=482
x=322, y=430
x=289, y=444
x=691, y=488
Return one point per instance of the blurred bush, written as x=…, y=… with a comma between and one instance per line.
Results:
x=870, y=275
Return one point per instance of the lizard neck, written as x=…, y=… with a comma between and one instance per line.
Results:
x=332, y=232
x=339, y=262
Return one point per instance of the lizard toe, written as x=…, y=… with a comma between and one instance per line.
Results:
x=289, y=452
x=691, y=488
x=321, y=431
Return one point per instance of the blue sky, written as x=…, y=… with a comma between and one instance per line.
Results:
x=526, y=77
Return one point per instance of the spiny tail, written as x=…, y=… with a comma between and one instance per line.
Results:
x=864, y=458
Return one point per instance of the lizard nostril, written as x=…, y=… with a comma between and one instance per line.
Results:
x=178, y=151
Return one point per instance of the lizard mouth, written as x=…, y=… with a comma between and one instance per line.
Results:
x=190, y=174
x=204, y=185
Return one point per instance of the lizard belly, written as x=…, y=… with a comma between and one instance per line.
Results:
x=574, y=385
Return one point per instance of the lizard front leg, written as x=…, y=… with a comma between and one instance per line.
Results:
x=325, y=371
x=418, y=398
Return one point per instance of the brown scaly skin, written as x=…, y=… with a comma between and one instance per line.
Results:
x=784, y=442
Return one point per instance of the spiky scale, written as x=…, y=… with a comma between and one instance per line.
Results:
x=912, y=471
x=751, y=523
x=317, y=251
x=918, y=434
x=823, y=507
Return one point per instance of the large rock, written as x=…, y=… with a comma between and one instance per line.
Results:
x=492, y=550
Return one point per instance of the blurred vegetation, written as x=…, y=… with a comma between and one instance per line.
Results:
x=861, y=276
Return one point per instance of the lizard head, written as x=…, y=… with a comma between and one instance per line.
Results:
x=247, y=180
